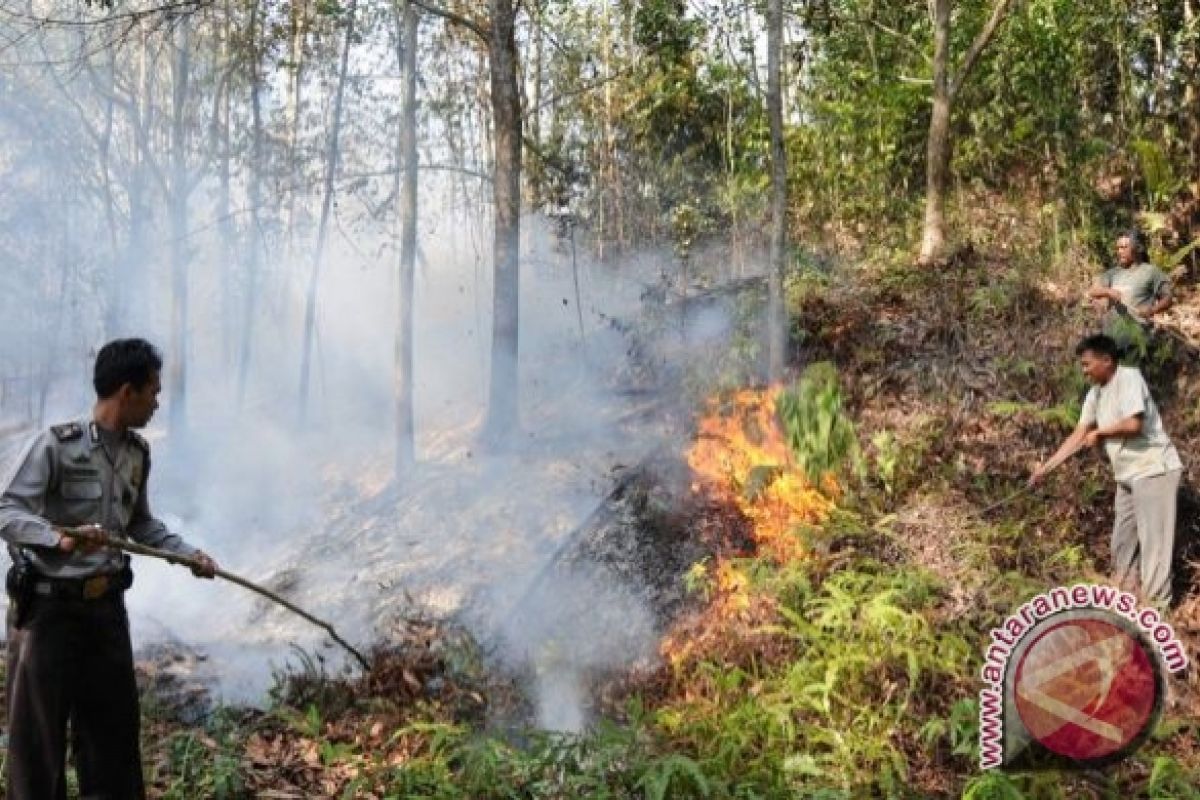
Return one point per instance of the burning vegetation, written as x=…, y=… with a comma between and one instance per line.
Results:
x=827, y=639
x=740, y=456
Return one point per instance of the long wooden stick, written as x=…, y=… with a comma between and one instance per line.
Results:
x=105, y=539
x=1027, y=487
x=1005, y=501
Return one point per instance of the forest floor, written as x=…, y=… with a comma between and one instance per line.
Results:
x=835, y=656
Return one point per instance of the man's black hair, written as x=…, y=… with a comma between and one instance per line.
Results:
x=1101, y=345
x=1138, y=242
x=122, y=361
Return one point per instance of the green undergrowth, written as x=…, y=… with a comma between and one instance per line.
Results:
x=857, y=685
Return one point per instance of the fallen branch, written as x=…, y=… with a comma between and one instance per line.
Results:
x=105, y=539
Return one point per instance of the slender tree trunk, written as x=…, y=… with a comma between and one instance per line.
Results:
x=1191, y=95
x=106, y=142
x=406, y=178
x=129, y=272
x=937, y=149
x=254, y=192
x=224, y=197
x=503, y=416
x=535, y=115
x=295, y=111
x=331, y=164
x=607, y=189
x=575, y=281
x=946, y=89
x=776, y=310
x=177, y=369
x=66, y=260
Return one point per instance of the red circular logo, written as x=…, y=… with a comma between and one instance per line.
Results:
x=1086, y=688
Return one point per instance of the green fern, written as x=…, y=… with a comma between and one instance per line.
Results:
x=993, y=786
x=1170, y=781
x=1161, y=181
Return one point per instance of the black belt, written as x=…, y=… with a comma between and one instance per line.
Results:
x=95, y=587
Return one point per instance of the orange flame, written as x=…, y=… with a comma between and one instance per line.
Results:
x=740, y=455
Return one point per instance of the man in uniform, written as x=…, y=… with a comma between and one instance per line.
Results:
x=69, y=654
x=1120, y=414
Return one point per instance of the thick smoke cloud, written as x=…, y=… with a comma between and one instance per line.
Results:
x=306, y=504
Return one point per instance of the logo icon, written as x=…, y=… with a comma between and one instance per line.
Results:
x=1087, y=688
x=1075, y=677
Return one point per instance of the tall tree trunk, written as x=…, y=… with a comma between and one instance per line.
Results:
x=937, y=149
x=254, y=192
x=221, y=140
x=50, y=354
x=535, y=118
x=331, y=163
x=946, y=89
x=299, y=34
x=610, y=192
x=776, y=311
x=105, y=146
x=406, y=179
x=177, y=370
x=503, y=415
x=225, y=225
x=129, y=272
x=1191, y=95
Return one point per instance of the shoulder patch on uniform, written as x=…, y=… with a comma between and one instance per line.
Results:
x=139, y=442
x=67, y=431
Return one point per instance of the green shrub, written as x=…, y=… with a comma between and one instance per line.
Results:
x=818, y=431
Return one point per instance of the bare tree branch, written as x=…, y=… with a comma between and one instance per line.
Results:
x=423, y=167
x=172, y=9
x=916, y=46
x=451, y=16
x=999, y=11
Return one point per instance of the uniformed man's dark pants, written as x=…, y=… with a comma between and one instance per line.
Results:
x=71, y=659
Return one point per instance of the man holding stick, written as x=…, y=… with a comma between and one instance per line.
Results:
x=69, y=653
x=1120, y=414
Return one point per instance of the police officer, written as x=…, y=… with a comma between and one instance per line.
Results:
x=69, y=655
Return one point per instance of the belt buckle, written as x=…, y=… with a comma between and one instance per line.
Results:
x=95, y=587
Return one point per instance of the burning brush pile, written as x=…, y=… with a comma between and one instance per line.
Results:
x=740, y=455
x=743, y=458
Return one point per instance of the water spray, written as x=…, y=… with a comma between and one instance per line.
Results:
x=99, y=537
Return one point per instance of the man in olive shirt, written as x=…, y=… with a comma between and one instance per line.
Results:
x=69, y=654
x=1120, y=414
x=1131, y=294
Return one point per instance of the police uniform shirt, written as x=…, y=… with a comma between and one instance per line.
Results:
x=67, y=476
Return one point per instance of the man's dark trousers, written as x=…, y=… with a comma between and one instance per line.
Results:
x=71, y=659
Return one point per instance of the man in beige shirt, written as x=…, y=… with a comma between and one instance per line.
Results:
x=1120, y=414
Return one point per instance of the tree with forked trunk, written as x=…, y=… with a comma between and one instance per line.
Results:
x=940, y=144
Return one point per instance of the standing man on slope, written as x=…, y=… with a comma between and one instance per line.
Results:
x=1130, y=294
x=69, y=654
x=1120, y=414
